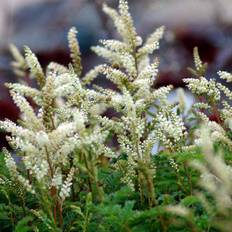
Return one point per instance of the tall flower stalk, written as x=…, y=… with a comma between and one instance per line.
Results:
x=130, y=68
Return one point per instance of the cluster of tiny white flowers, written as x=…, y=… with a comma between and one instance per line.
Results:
x=152, y=42
x=134, y=77
x=226, y=112
x=204, y=87
x=216, y=133
x=75, y=53
x=113, y=57
x=67, y=89
x=40, y=170
x=181, y=99
x=225, y=75
x=225, y=90
x=66, y=186
x=115, y=45
x=91, y=75
x=15, y=130
x=57, y=179
x=27, y=111
x=215, y=173
x=174, y=165
x=43, y=149
x=25, y=91
x=128, y=63
x=42, y=138
x=197, y=60
x=129, y=31
x=201, y=105
x=56, y=68
x=128, y=178
x=26, y=184
x=36, y=70
x=80, y=119
x=114, y=75
x=11, y=165
x=160, y=94
x=170, y=130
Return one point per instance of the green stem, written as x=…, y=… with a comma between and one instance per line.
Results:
x=147, y=174
x=189, y=178
x=87, y=167
x=140, y=188
x=150, y=188
x=99, y=193
x=23, y=205
x=96, y=190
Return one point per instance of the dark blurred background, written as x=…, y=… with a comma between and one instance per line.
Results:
x=43, y=26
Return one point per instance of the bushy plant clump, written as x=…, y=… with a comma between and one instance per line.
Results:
x=62, y=174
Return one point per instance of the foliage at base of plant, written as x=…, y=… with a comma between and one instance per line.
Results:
x=176, y=188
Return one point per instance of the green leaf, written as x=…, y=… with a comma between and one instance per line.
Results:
x=23, y=224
